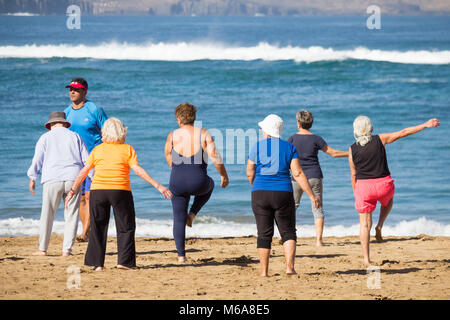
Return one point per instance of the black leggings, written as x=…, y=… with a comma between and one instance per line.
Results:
x=271, y=205
x=100, y=204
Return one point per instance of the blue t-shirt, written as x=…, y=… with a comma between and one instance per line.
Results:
x=273, y=158
x=308, y=146
x=87, y=122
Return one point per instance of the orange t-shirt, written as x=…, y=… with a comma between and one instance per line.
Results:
x=112, y=162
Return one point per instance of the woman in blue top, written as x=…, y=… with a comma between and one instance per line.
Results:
x=308, y=146
x=268, y=168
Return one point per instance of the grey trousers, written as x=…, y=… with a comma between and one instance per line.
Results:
x=317, y=189
x=52, y=194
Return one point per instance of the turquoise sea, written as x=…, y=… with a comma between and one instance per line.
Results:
x=236, y=70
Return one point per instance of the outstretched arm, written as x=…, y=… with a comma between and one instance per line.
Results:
x=387, y=138
x=300, y=177
x=146, y=177
x=215, y=157
x=334, y=153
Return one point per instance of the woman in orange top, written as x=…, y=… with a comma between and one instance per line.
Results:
x=112, y=161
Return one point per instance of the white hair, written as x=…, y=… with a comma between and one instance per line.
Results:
x=362, y=130
x=114, y=131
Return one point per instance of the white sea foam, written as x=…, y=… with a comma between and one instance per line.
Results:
x=184, y=51
x=22, y=14
x=211, y=227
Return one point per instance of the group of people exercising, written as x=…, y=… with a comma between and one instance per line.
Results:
x=84, y=159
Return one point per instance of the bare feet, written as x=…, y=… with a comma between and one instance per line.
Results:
x=67, y=254
x=39, y=253
x=97, y=268
x=263, y=275
x=290, y=272
x=119, y=266
x=367, y=262
x=182, y=259
x=378, y=236
x=190, y=219
x=319, y=243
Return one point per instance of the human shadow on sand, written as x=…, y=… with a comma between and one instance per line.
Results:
x=155, y=252
x=320, y=256
x=387, y=271
x=242, y=261
x=11, y=258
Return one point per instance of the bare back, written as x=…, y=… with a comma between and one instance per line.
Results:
x=188, y=140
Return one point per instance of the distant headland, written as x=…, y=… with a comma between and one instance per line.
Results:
x=225, y=7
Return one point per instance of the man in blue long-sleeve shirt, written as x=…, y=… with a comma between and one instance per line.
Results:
x=59, y=156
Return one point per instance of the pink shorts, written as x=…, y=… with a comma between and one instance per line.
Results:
x=369, y=191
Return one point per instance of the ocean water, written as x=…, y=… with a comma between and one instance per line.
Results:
x=236, y=70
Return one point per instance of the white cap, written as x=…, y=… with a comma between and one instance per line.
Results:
x=272, y=125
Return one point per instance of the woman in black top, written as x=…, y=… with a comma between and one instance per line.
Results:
x=371, y=180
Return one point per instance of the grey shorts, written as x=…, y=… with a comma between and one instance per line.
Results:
x=317, y=189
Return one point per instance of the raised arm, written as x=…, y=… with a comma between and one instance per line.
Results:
x=210, y=147
x=387, y=138
x=334, y=153
x=352, y=168
x=168, y=149
x=146, y=177
x=300, y=177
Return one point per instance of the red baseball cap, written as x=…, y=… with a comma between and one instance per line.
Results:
x=77, y=85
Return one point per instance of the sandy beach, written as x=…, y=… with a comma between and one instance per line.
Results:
x=415, y=267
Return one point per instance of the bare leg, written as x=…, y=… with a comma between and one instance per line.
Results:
x=84, y=217
x=365, y=223
x=263, y=254
x=289, y=247
x=384, y=211
x=319, y=231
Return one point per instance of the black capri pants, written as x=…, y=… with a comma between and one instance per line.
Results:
x=267, y=206
x=100, y=204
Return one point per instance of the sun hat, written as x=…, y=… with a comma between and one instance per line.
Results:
x=272, y=125
x=57, y=116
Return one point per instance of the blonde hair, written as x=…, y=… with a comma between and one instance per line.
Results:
x=362, y=130
x=113, y=131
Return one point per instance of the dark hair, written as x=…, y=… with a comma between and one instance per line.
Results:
x=186, y=113
x=81, y=81
x=305, y=118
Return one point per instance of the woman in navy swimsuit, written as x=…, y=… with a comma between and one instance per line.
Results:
x=187, y=150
